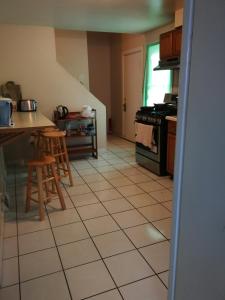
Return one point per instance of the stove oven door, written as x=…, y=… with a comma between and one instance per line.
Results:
x=152, y=157
x=152, y=152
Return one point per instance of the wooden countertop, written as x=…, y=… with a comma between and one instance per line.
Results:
x=171, y=118
x=23, y=122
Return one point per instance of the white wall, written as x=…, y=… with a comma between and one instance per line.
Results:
x=72, y=53
x=29, y=58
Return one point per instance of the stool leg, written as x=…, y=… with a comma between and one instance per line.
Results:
x=45, y=172
x=67, y=161
x=52, y=183
x=29, y=187
x=62, y=160
x=53, y=151
x=45, y=145
x=58, y=187
x=40, y=193
x=41, y=148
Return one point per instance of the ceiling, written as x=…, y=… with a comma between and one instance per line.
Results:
x=91, y=15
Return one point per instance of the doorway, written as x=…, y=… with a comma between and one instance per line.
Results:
x=132, y=89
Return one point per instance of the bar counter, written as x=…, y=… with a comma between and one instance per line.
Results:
x=26, y=121
x=23, y=122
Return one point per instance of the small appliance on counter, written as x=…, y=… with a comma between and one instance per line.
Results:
x=5, y=112
x=87, y=112
x=27, y=105
x=62, y=112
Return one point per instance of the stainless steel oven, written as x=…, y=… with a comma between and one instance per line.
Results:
x=154, y=158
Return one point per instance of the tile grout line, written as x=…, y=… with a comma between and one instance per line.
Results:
x=137, y=249
x=102, y=203
x=94, y=236
x=128, y=210
x=64, y=273
x=133, y=243
x=131, y=240
x=144, y=206
x=40, y=276
x=146, y=246
x=99, y=253
x=140, y=252
x=99, y=294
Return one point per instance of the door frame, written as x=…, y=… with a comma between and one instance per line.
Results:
x=126, y=53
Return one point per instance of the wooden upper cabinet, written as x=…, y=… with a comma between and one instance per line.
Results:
x=166, y=45
x=170, y=44
x=177, y=37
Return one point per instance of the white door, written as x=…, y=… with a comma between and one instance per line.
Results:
x=132, y=89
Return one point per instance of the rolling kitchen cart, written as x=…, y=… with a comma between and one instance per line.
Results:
x=81, y=133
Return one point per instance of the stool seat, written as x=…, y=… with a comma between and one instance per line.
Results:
x=38, y=138
x=54, y=134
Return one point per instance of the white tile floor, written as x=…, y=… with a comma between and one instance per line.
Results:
x=111, y=243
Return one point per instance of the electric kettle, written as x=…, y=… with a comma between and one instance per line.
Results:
x=62, y=111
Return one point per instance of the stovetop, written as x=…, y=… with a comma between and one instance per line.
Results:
x=156, y=114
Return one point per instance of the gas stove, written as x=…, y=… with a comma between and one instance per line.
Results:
x=153, y=157
x=156, y=114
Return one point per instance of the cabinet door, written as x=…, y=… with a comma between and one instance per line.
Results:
x=166, y=45
x=171, y=142
x=177, y=37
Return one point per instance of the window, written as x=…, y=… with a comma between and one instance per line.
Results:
x=156, y=83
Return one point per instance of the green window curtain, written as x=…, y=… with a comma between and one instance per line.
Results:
x=156, y=83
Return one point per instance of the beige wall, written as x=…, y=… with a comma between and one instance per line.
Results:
x=29, y=58
x=99, y=52
x=179, y=15
x=71, y=53
x=132, y=41
x=153, y=35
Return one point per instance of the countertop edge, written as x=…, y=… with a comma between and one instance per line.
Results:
x=171, y=118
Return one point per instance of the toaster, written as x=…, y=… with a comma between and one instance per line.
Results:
x=5, y=112
x=27, y=105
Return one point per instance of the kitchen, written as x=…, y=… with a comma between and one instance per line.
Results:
x=113, y=146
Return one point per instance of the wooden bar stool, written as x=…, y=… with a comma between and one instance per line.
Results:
x=45, y=173
x=38, y=138
x=55, y=145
